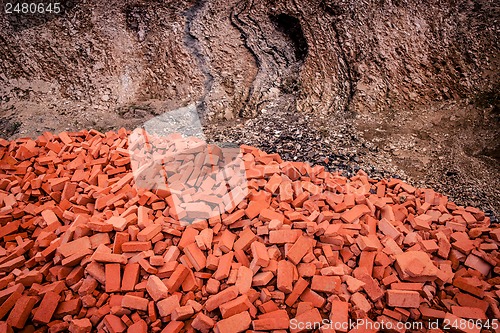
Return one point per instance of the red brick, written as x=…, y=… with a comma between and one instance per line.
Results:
x=355, y=213
x=130, y=277
x=168, y=305
x=156, y=288
x=327, y=284
x=299, y=249
x=47, y=308
x=135, y=303
x=237, y=323
x=113, y=278
x=21, y=311
x=203, y=323
x=214, y=301
x=403, y=298
x=339, y=315
x=285, y=276
x=304, y=320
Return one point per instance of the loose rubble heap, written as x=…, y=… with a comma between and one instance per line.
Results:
x=82, y=249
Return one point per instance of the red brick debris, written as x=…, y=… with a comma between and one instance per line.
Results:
x=82, y=249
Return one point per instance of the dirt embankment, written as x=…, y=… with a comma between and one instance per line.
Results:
x=396, y=88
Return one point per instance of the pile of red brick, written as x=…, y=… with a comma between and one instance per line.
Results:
x=82, y=249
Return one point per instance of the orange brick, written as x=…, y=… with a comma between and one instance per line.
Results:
x=285, y=276
x=298, y=289
x=226, y=241
x=284, y=236
x=244, y=279
x=224, y=267
x=234, y=306
x=339, y=315
x=203, y=322
x=168, y=305
x=245, y=239
x=156, y=288
x=259, y=254
x=196, y=256
x=237, y=323
x=113, y=278
x=403, y=298
x=177, y=277
x=306, y=319
x=275, y=320
x=299, y=249
x=149, y=232
x=47, y=308
x=327, y=284
x=354, y=213
x=268, y=214
x=130, y=277
x=21, y=311
x=226, y=295
x=114, y=324
x=135, y=302
x=9, y=303
x=254, y=208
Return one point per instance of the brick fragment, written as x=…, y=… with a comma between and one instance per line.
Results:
x=114, y=324
x=224, y=267
x=203, y=323
x=339, y=315
x=21, y=311
x=182, y=313
x=196, y=256
x=415, y=266
x=113, y=278
x=138, y=327
x=156, y=288
x=354, y=213
x=168, y=305
x=327, y=284
x=260, y=255
x=403, y=298
x=235, y=306
x=214, y=301
x=135, y=302
x=177, y=278
x=173, y=327
x=274, y=320
x=244, y=279
x=298, y=289
x=80, y=326
x=47, y=308
x=389, y=229
x=284, y=236
x=306, y=320
x=149, y=232
x=299, y=249
x=237, y=323
x=285, y=276
x=130, y=277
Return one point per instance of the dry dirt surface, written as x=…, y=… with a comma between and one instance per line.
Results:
x=397, y=88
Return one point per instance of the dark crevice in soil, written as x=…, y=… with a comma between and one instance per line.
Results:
x=238, y=24
x=335, y=12
x=290, y=26
x=192, y=43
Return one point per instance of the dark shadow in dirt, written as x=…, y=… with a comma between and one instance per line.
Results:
x=8, y=127
x=291, y=27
